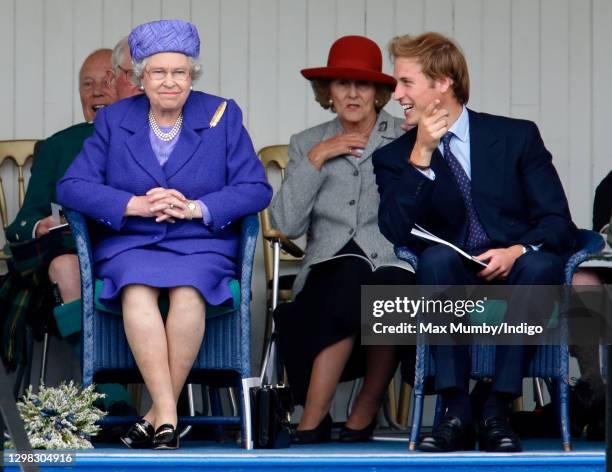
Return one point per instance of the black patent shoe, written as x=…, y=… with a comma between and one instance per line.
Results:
x=166, y=437
x=450, y=435
x=349, y=435
x=139, y=436
x=321, y=433
x=496, y=435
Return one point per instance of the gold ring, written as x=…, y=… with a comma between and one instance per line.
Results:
x=350, y=149
x=171, y=205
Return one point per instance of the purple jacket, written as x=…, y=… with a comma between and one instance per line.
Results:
x=216, y=165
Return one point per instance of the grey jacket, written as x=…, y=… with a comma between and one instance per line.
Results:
x=337, y=204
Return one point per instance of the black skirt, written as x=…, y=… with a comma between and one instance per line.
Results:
x=326, y=311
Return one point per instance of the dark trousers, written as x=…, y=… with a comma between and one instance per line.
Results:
x=440, y=265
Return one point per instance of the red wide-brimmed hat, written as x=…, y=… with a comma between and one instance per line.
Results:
x=352, y=57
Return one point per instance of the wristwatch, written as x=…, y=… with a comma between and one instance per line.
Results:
x=191, y=206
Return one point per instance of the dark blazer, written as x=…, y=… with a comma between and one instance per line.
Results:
x=217, y=165
x=602, y=205
x=51, y=159
x=515, y=188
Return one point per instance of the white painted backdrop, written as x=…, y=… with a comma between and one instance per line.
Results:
x=546, y=60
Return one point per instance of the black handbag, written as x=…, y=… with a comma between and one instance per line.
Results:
x=271, y=408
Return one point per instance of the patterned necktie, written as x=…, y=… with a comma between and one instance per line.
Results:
x=476, y=234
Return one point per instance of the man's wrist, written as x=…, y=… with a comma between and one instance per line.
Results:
x=518, y=250
x=420, y=167
x=420, y=157
x=35, y=228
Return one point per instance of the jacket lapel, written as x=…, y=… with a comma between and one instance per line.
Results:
x=139, y=145
x=487, y=155
x=196, y=117
x=333, y=128
x=381, y=134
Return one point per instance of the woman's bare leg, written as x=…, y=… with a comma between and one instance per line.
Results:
x=144, y=329
x=184, y=331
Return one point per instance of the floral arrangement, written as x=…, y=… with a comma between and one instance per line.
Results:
x=61, y=417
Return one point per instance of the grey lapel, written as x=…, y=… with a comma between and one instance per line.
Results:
x=383, y=131
x=333, y=128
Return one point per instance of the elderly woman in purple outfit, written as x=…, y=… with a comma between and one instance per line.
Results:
x=166, y=174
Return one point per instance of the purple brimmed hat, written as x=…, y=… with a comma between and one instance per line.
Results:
x=164, y=36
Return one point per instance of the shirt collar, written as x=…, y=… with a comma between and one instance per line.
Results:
x=461, y=127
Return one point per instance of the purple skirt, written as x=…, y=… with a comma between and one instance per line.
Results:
x=209, y=273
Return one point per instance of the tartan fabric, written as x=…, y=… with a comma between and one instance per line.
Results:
x=14, y=302
x=30, y=259
x=25, y=292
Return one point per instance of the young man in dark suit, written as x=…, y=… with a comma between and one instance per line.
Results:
x=485, y=183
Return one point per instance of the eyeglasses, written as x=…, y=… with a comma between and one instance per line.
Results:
x=128, y=72
x=178, y=75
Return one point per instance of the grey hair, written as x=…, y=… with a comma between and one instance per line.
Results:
x=119, y=53
x=195, y=70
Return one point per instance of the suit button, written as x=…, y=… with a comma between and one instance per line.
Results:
x=374, y=255
x=352, y=202
x=23, y=223
x=351, y=231
x=356, y=173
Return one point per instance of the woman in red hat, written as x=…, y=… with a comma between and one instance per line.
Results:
x=329, y=192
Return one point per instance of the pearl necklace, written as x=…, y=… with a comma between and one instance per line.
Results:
x=170, y=135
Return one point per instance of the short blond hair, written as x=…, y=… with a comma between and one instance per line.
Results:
x=438, y=56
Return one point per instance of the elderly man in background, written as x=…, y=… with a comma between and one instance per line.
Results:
x=97, y=89
x=53, y=157
x=123, y=70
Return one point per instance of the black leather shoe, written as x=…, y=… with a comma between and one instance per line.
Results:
x=166, y=437
x=139, y=436
x=349, y=435
x=321, y=433
x=496, y=435
x=450, y=435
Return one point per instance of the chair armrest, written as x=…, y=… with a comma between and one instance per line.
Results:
x=587, y=243
x=248, y=241
x=405, y=254
x=80, y=233
x=286, y=244
x=249, y=228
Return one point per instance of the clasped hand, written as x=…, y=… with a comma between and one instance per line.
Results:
x=339, y=145
x=163, y=204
